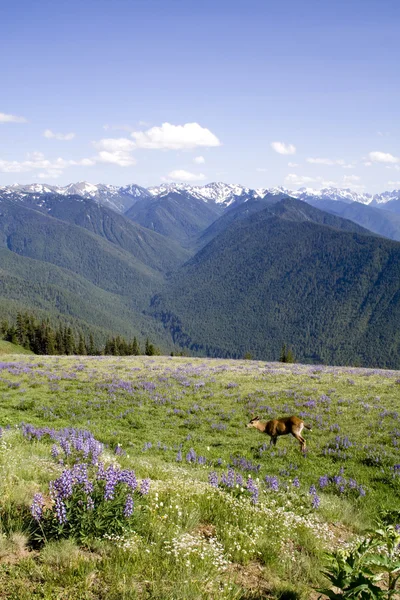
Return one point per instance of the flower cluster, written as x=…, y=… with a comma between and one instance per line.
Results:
x=84, y=505
x=74, y=445
x=234, y=481
x=338, y=484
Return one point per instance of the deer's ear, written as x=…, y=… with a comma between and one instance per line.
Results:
x=256, y=418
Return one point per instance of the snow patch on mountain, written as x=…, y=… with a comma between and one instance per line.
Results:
x=121, y=198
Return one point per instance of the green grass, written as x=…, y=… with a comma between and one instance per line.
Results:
x=190, y=540
x=9, y=348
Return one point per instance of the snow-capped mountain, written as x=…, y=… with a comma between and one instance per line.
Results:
x=218, y=193
x=117, y=198
x=122, y=198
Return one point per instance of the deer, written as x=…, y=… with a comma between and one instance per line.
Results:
x=283, y=426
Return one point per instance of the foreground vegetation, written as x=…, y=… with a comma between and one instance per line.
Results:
x=169, y=495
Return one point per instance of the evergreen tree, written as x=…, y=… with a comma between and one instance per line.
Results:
x=282, y=357
x=81, y=345
x=91, y=349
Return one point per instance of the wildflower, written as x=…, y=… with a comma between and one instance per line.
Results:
x=272, y=482
x=128, y=510
x=37, y=507
x=323, y=481
x=55, y=451
x=145, y=487
x=213, y=479
x=316, y=501
x=296, y=482
x=191, y=456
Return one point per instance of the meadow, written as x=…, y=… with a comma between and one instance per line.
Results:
x=136, y=477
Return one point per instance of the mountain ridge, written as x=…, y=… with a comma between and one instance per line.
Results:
x=122, y=198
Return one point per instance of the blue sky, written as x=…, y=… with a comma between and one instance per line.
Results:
x=257, y=92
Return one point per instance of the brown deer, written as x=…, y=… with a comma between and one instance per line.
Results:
x=282, y=426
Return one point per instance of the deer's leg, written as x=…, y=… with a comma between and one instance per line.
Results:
x=301, y=440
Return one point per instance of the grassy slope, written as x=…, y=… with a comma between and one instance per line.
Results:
x=156, y=407
x=7, y=348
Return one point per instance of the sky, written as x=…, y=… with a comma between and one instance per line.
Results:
x=257, y=92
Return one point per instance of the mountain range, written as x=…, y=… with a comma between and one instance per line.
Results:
x=220, y=269
x=121, y=198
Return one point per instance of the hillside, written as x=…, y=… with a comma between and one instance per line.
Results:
x=28, y=284
x=275, y=204
x=382, y=221
x=178, y=216
x=7, y=348
x=290, y=275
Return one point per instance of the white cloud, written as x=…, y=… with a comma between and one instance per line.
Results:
x=383, y=157
x=175, y=137
x=292, y=165
x=396, y=183
x=37, y=161
x=58, y=136
x=282, y=148
x=331, y=162
x=261, y=170
x=350, y=178
x=320, y=182
x=325, y=161
x=182, y=175
x=199, y=160
x=117, y=151
x=11, y=119
x=294, y=179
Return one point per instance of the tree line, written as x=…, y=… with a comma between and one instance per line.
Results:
x=41, y=337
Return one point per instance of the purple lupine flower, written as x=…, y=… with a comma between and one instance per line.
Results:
x=128, y=510
x=55, y=451
x=179, y=456
x=61, y=511
x=361, y=490
x=296, y=482
x=213, y=479
x=145, y=487
x=316, y=501
x=239, y=479
x=37, y=507
x=272, y=482
x=112, y=478
x=323, y=481
x=253, y=489
x=89, y=503
x=191, y=456
x=201, y=460
x=312, y=490
x=128, y=477
x=62, y=487
x=230, y=480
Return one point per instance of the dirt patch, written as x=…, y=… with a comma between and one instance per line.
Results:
x=205, y=531
x=251, y=577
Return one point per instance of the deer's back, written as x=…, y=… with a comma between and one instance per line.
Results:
x=283, y=425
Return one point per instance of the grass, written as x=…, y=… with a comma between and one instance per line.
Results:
x=176, y=420
x=7, y=348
